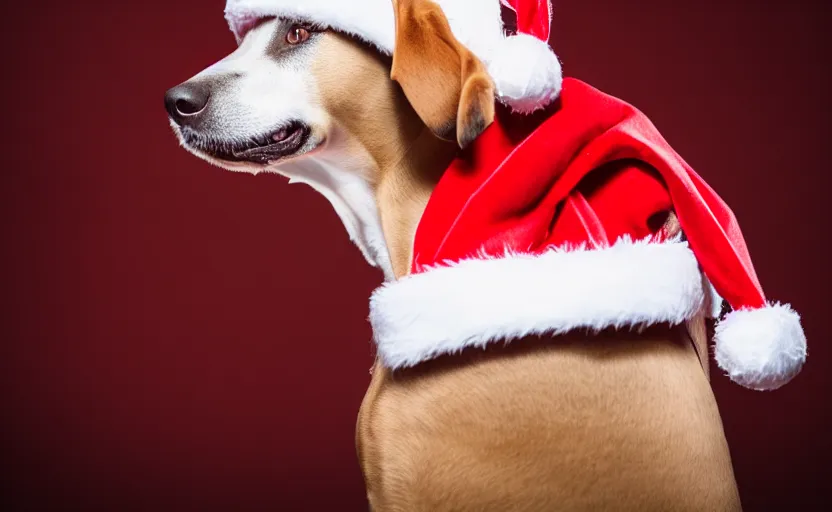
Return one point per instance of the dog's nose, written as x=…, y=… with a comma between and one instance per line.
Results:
x=185, y=101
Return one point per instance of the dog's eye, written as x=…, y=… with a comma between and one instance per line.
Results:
x=297, y=35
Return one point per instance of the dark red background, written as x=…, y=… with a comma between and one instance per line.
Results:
x=179, y=338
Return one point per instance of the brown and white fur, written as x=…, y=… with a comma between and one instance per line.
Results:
x=616, y=421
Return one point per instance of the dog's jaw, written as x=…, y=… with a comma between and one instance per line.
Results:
x=249, y=167
x=228, y=166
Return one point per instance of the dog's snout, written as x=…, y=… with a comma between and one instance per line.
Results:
x=185, y=101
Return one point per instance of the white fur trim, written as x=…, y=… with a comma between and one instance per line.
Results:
x=761, y=349
x=370, y=20
x=474, y=302
x=527, y=73
x=477, y=24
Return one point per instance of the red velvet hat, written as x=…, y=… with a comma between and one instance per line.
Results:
x=550, y=226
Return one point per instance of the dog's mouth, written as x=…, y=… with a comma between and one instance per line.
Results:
x=263, y=149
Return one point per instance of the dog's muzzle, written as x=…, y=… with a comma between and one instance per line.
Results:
x=188, y=107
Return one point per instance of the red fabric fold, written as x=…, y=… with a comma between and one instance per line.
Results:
x=521, y=188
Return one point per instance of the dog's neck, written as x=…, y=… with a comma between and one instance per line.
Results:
x=378, y=179
x=380, y=163
x=403, y=192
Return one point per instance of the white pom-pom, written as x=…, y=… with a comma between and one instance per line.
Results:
x=761, y=349
x=527, y=73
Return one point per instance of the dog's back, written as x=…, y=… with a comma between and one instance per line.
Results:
x=616, y=421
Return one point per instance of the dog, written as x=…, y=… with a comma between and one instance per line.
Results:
x=611, y=421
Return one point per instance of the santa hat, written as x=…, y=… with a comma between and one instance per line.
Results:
x=526, y=72
x=551, y=228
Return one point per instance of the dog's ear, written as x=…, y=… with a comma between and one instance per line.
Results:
x=445, y=83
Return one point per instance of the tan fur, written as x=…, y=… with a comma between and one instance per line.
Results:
x=618, y=421
x=406, y=158
x=444, y=82
x=610, y=422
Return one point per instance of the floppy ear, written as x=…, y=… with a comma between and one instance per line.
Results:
x=445, y=83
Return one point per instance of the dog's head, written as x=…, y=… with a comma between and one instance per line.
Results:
x=292, y=90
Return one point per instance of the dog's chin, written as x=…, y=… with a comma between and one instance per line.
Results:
x=255, y=152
